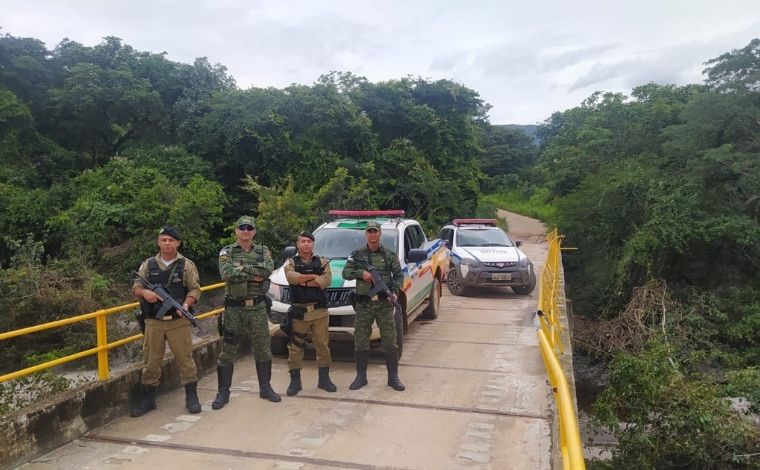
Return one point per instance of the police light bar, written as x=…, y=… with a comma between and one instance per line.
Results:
x=390, y=212
x=491, y=222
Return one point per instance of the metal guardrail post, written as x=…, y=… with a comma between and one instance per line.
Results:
x=102, y=332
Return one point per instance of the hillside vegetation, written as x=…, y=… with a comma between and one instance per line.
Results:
x=660, y=193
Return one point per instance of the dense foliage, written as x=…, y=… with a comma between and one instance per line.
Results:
x=660, y=191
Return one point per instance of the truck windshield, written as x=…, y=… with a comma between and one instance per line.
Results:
x=489, y=237
x=341, y=242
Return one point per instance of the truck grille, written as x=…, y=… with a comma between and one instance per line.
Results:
x=501, y=265
x=339, y=297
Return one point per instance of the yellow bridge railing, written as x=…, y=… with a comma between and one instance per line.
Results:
x=550, y=341
x=103, y=346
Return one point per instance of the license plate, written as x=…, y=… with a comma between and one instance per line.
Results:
x=501, y=277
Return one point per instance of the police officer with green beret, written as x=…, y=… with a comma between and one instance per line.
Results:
x=245, y=268
x=180, y=278
x=377, y=308
x=308, y=275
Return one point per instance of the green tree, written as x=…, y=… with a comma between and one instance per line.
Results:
x=99, y=110
x=736, y=71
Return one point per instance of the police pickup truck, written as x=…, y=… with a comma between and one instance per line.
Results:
x=482, y=254
x=423, y=262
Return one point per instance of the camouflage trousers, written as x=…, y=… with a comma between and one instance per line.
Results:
x=320, y=338
x=381, y=312
x=245, y=322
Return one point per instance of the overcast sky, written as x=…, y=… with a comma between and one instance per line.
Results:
x=526, y=59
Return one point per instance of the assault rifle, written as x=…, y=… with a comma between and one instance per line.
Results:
x=167, y=304
x=380, y=287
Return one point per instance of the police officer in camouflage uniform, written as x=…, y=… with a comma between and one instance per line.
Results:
x=245, y=268
x=180, y=278
x=378, y=308
x=308, y=276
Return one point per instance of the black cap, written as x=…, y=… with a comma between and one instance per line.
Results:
x=306, y=234
x=171, y=231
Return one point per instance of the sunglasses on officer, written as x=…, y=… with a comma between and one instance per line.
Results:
x=245, y=227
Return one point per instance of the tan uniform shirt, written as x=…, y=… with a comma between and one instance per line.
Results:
x=190, y=279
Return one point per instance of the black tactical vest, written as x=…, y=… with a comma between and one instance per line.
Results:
x=171, y=279
x=301, y=294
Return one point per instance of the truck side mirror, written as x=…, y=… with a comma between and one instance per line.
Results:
x=518, y=243
x=416, y=255
x=289, y=252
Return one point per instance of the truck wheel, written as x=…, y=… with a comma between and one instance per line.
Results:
x=434, y=307
x=526, y=289
x=454, y=283
x=279, y=346
x=399, y=334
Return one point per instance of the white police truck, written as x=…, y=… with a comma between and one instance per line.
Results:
x=482, y=254
x=423, y=262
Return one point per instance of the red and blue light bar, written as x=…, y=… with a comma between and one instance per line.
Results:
x=458, y=222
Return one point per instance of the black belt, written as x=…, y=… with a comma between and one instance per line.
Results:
x=243, y=302
x=366, y=298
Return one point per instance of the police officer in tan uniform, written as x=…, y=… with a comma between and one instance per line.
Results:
x=180, y=278
x=308, y=276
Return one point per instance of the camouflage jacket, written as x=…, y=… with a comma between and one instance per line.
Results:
x=384, y=260
x=245, y=273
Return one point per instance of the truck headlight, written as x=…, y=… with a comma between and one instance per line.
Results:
x=473, y=263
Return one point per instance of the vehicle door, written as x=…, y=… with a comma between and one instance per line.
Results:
x=419, y=274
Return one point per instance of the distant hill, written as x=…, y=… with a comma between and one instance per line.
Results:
x=529, y=129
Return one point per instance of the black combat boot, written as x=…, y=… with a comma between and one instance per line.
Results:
x=147, y=400
x=295, y=382
x=324, y=380
x=264, y=373
x=362, y=359
x=191, y=398
x=391, y=362
x=224, y=378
